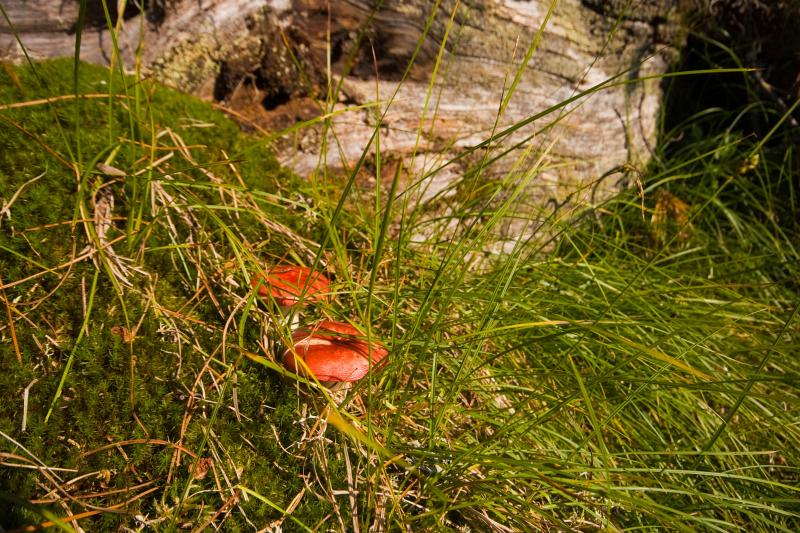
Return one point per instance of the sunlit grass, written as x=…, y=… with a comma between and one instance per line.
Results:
x=629, y=364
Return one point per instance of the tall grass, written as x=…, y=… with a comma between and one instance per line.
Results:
x=629, y=364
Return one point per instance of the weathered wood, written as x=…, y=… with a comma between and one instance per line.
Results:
x=246, y=54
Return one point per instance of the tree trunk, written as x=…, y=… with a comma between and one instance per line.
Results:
x=267, y=61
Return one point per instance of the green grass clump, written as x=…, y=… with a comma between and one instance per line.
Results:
x=627, y=365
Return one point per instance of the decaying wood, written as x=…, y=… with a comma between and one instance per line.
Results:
x=267, y=60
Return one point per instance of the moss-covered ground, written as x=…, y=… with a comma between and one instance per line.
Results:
x=125, y=379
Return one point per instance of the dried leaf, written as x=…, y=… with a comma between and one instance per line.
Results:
x=122, y=332
x=108, y=170
x=670, y=219
x=200, y=469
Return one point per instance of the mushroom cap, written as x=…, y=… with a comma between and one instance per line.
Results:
x=287, y=283
x=333, y=352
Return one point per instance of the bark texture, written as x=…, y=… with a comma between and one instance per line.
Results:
x=267, y=61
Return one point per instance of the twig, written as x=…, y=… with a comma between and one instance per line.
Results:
x=79, y=516
x=30, y=465
x=26, y=450
x=139, y=441
x=77, y=259
x=276, y=524
x=6, y=208
x=97, y=494
x=25, y=404
x=11, y=327
x=52, y=99
x=65, y=223
x=242, y=118
x=83, y=297
x=225, y=509
x=351, y=488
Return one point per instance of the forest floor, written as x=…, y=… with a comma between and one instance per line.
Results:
x=636, y=366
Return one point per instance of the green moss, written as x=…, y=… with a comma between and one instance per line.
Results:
x=117, y=392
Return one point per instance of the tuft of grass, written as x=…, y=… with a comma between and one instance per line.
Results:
x=623, y=365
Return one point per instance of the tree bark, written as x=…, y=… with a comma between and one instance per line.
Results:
x=267, y=61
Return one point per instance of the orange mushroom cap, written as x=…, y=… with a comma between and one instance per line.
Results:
x=287, y=283
x=333, y=352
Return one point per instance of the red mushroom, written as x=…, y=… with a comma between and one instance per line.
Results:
x=334, y=352
x=288, y=283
